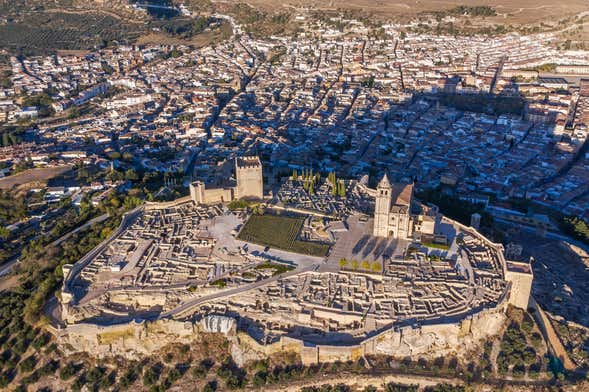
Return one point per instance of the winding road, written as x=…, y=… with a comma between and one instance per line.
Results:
x=7, y=268
x=188, y=305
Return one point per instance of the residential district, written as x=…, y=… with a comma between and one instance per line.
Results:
x=338, y=102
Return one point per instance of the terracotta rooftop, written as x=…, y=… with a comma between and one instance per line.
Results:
x=402, y=194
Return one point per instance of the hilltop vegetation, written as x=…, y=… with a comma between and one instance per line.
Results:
x=261, y=23
x=45, y=32
x=42, y=30
x=472, y=11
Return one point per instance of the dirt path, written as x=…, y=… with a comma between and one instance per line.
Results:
x=554, y=343
x=362, y=381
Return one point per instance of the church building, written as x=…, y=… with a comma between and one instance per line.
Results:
x=392, y=212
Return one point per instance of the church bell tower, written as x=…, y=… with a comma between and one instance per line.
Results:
x=382, y=207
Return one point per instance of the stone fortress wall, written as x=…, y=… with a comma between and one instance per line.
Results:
x=429, y=338
x=139, y=338
x=518, y=275
x=432, y=337
x=153, y=205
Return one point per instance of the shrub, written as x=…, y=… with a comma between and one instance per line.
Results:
x=68, y=371
x=49, y=368
x=128, y=378
x=260, y=379
x=28, y=364
x=235, y=382
x=40, y=341
x=108, y=380
x=199, y=372
x=152, y=375
x=211, y=386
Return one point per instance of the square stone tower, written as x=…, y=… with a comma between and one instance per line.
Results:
x=197, y=192
x=248, y=171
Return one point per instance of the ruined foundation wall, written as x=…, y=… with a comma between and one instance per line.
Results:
x=159, y=205
x=136, y=339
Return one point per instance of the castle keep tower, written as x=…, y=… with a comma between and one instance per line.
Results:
x=197, y=192
x=248, y=171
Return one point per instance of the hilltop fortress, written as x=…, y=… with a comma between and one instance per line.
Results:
x=405, y=281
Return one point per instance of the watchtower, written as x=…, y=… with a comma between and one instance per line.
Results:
x=248, y=171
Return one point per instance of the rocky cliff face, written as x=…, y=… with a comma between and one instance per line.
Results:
x=218, y=324
x=139, y=338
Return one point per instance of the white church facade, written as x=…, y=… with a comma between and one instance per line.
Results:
x=393, y=212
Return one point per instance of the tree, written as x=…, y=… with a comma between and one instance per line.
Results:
x=131, y=175
x=354, y=264
x=343, y=263
x=365, y=265
x=199, y=372
x=376, y=267
x=74, y=113
x=259, y=379
x=341, y=188
x=152, y=375
x=68, y=371
x=28, y=364
x=175, y=53
x=5, y=139
x=210, y=387
x=4, y=232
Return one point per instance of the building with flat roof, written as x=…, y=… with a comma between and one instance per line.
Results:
x=248, y=171
x=584, y=87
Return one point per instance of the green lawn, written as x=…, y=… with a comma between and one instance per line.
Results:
x=278, y=268
x=280, y=232
x=435, y=245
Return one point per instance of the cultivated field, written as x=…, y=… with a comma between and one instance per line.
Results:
x=33, y=176
x=45, y=32
x=509, y=11
x=280, y=232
